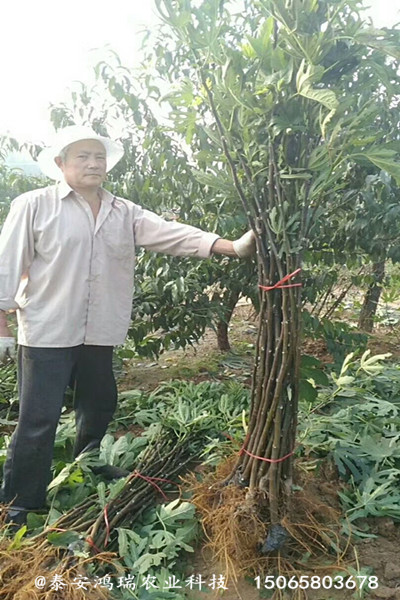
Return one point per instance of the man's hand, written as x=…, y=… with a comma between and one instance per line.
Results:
x=245, y=246
x=7, y=348
x=7, y=342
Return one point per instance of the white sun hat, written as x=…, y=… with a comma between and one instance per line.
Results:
x=69, y=135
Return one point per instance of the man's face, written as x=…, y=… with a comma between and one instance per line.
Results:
x=84, y=166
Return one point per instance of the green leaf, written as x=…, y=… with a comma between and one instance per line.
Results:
x=187, y=532
x=54, y=515
x=306, y=75
x=101, y=490
x=344, y=380
x=70, y=473
x=161, y=539
x=116, y=488
x=295, y=175
x=17, y=540
x=307, y=391
x=63, y=539
x=384, y=39
x=170, y=514
x=384, y=159
x=346, y=363
x=366, y=362
x=123, y=542
x=147, y=561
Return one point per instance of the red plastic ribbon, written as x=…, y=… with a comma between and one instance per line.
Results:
x=90, y=541
x=280, y=284
x=269, y=460
x=244, y=451
x=107, y=526
x=152, y=481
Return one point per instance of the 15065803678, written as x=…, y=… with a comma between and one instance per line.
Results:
x=316, y=582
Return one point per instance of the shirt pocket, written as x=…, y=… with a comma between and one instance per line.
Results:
x=118, y=245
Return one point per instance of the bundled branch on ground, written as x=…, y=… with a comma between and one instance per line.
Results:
x=184, y=422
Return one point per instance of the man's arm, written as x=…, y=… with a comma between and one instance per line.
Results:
x=177, y=239
x=224, y=247
x=16, y=253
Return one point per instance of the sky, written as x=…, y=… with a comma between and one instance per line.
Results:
x=46, y=45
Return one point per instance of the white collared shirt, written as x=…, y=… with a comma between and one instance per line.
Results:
x=71, y=277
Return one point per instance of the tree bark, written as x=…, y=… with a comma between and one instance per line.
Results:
x=371, y=298
x=230, y=301
x=222, y=336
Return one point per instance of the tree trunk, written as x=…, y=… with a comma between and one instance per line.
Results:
x=222, y=336
x=266, y=460
x=371, y=298
x=230, y=300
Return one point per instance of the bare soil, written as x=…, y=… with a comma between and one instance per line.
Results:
x=203, y=361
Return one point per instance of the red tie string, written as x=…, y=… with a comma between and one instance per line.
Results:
x=277, y=286
x=280, y=284
x=268, y=460
x=152, y=481
x=244, y=451
x=90, y=541
x=105, y=512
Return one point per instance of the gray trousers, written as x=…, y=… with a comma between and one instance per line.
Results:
x=43, y=377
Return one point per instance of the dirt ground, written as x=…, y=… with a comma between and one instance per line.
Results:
x=201, y=362
x=377, y=556
x=204, y=361
x=380, y=555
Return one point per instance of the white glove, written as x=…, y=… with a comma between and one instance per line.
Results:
x=7, y=348
x=245, y=246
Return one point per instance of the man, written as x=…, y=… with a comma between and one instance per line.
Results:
x=66, y=266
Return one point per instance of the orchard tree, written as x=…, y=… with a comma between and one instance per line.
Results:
x=363, y=230
x=277, y=93
x=13, y=181
x=379, y=234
